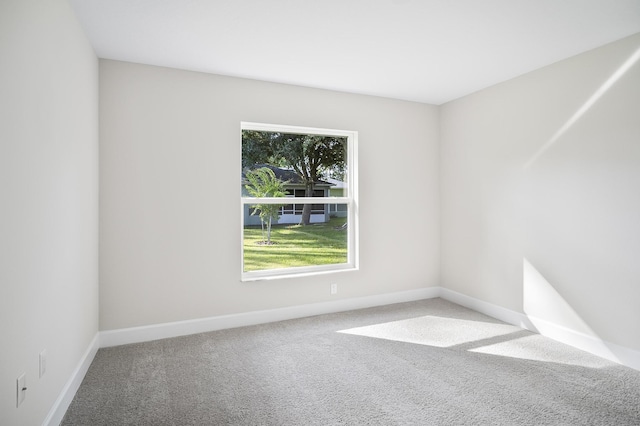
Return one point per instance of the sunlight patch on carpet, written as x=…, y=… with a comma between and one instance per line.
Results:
x=434, y=331
x=538, y=348
x=479, y=337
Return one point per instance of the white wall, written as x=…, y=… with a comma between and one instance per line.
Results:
x=49, y=202
x=541, y=194
x=170, y=222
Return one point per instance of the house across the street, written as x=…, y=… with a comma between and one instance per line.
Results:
x=295, y=187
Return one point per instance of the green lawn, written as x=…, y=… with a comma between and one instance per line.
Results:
x=295, y=245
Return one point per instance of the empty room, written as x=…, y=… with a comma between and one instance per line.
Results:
x=339, y=212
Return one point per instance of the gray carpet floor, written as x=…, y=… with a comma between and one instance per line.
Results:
x=420, y=363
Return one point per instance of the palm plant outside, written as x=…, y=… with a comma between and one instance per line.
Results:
x=263, y=182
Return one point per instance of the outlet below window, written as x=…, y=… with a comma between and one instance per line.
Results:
x=21, y=389
x=43, y=362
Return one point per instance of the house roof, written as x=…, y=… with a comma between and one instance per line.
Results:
x=287, y=175
x=336, y=184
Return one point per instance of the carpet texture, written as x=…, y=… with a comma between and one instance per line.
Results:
x=420, y=363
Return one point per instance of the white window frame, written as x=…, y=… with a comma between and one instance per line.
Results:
x=351, y=200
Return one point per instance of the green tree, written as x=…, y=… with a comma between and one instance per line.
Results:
x=263, y=182
x=310, y=156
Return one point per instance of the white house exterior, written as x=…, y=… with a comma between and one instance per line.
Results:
x=292, y=213
x=337, y=189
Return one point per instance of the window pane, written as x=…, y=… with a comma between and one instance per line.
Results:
x=288, y=244
x=303, y=164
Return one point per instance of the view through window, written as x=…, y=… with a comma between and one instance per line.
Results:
x=298, y=196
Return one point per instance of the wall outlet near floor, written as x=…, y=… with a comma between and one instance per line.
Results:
x=334, y=288
x=43, y=362
x=21, y=389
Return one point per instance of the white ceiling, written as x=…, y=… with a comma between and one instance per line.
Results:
x=430, y=51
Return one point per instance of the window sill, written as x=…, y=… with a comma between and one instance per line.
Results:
x=276, y=274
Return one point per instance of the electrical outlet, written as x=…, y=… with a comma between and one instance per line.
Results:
x=21, y=389
x=43, y=362
x=334, y=288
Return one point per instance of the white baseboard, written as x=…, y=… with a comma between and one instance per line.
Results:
x=494, y=311
x=620, y=354
x=611, y=351
x=591, y=344
x=182, y=328
x=59, y=408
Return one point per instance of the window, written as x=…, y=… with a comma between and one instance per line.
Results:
x=298, y=201
x=297, y=208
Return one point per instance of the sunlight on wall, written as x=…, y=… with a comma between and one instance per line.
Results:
x=552, y=315
x=542, y=301
x=586, y=106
